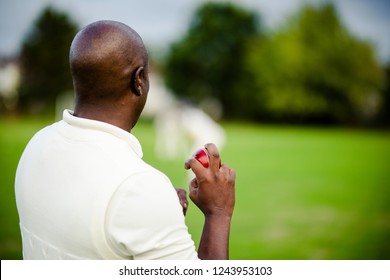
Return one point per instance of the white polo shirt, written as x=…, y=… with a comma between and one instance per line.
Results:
x=84, y=192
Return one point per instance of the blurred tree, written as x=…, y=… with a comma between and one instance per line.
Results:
x=314, y=70
x=209, y=61
x=384, y=116
x=45, y=61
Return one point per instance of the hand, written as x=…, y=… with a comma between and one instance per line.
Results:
x=182, y=194
x=213, y=188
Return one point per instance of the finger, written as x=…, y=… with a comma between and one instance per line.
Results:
x=214, y=157
x=226, y=169
x=182, y=194
x=233, y=174
x=193, y=190
x=195, y=165
x=184, y=201
x=194, y=184
x=187, y=164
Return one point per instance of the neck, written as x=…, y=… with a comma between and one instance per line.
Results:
x=115, y=116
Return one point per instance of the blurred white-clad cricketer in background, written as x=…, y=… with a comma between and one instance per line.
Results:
x=181, y=128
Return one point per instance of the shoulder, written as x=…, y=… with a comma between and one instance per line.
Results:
x=149, y=184
x=45, y=132
x=145, y=217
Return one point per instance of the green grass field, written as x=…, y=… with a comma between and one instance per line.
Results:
x=301, y=193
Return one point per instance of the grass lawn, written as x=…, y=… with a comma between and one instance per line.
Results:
x=301, y=193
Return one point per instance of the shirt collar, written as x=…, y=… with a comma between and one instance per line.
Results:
x=129, y=138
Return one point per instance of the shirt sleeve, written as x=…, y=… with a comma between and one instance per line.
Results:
x=145, y=220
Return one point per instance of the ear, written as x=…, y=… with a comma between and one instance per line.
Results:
x=138, y=81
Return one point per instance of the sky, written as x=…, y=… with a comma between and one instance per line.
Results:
x=161, y=22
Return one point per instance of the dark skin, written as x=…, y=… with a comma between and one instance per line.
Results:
x=109, y=66
x=213, y=191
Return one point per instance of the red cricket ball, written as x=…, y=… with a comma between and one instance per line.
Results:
x=202, y=157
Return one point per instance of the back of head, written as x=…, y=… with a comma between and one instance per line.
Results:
x=103, y=57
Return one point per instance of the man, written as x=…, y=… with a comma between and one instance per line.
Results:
x=82, y=188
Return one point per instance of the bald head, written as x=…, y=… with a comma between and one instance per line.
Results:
x=102, y=56
x=108, y=61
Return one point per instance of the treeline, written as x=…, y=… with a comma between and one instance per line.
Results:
x=309, y=70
